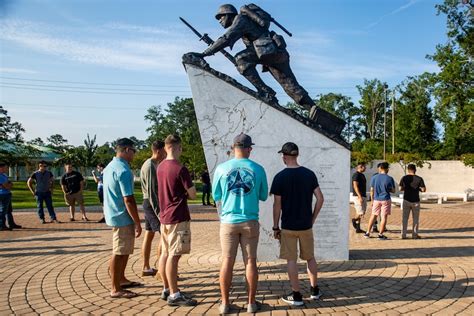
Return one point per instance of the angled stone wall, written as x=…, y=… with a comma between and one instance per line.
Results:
x=224, y=110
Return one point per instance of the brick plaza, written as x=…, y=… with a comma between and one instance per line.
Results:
x=62, y=268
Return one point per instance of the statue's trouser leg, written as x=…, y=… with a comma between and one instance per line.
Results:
x=246, y=65
x=283, y=74
x=251, y=74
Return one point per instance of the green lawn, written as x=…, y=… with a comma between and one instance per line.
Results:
x=22, y=197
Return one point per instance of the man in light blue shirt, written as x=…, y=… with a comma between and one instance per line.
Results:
x=120, y=211
x=238, y=186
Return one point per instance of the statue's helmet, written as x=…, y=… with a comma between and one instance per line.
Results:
x=225, y=9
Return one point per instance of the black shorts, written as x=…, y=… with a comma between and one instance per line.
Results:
x=152, y=222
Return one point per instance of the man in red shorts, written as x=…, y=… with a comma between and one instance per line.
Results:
x=381, y=185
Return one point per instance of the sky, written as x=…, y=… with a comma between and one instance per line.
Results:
x=94, y=67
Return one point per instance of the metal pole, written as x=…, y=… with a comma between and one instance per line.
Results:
x=384, y=122
x=393, y=122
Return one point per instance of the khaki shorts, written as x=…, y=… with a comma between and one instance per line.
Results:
x=123, y=240
x=246, y=234
x=71, y=199
x=176, y=238
x=288, y=244
x=360, y=208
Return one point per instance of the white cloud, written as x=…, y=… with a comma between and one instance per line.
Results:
x=161, y=53
x=393, y=12
x=17, y=71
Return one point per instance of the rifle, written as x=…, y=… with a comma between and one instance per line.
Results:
x=206, y=39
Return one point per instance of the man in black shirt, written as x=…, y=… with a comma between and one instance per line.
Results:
x=359, y=188
x=411, y=184
x=293, y=189
x=72, y=183
x=206, y=187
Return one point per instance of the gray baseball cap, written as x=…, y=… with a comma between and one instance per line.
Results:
x=243, y=141
x=290, y=149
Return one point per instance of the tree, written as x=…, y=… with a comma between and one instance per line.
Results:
x=344, y=108
x=452, y=85
x=37, y=141
x=104, y=154
x=373, y=99
x=404, y=159
x=10, y=131
x=90, y=147
x=178, y=118
x=414, y=124
x=58, y=142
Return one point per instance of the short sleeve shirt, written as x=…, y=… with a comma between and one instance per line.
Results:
x=43, y=180
x=173, y=182
x=118, y=183
x=361, y=183
x=382, y=184
x=239, y=184
x=411, y=185
x=296, y=187
x=149, y=183
x=72, y=181
x=3, y=180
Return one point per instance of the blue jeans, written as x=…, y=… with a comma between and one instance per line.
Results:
x=5, y=202
x=47, y=198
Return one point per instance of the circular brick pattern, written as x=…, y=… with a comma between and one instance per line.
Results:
x=63, y=269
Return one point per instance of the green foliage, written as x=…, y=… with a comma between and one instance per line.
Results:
x=373, y=95
x=453, y=85
x=104, y=154
x=57, y=142
x=358, y=157
x=468, y=159
x=179, y=118
x=404, y=159
x=414, y=122
x=10, y=131
x=344, y=108
x=140, y=158
x=37, y=141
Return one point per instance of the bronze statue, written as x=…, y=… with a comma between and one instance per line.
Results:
x=267, y=48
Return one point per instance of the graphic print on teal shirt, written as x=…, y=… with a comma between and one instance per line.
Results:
x=240, y=181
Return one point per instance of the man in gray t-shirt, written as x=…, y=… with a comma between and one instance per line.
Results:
x=43, y=190
x=149, y=184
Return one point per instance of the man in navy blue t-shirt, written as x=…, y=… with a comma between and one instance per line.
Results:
x=293, y=189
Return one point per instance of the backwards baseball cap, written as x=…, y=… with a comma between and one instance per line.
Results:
x=243, y=141
x=125, y=142
x=290, y=149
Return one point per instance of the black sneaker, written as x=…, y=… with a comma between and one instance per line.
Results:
x=42, y=221
x=181, y=300
x=293, y=298
x=354, y=223
x=315, y=293
x=382, y=237
x=165, y=295
x=5, y=228
x=367, y=235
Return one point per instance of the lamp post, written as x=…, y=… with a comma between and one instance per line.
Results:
x=393, y=122
x=385, y=87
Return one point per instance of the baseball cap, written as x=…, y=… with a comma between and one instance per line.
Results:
x=125, y=142
x=243, y=140
x=290, y=149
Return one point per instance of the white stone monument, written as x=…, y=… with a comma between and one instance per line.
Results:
x=225, y=108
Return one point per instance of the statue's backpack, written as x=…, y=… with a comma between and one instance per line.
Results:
x=267, y=45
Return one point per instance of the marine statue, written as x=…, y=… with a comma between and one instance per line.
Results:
x=265, y=47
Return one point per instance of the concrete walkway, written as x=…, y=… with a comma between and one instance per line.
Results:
x=62, y=269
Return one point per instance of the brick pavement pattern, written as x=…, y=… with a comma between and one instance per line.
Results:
x=62, y=268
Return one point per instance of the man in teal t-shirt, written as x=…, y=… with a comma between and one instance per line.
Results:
x=238, y=186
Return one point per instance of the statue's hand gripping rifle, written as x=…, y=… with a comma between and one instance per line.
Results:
x=206, y=39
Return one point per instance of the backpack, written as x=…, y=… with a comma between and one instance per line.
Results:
x=257, y=14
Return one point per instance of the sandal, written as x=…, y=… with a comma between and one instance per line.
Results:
x=123, y=294
x=130, y=284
